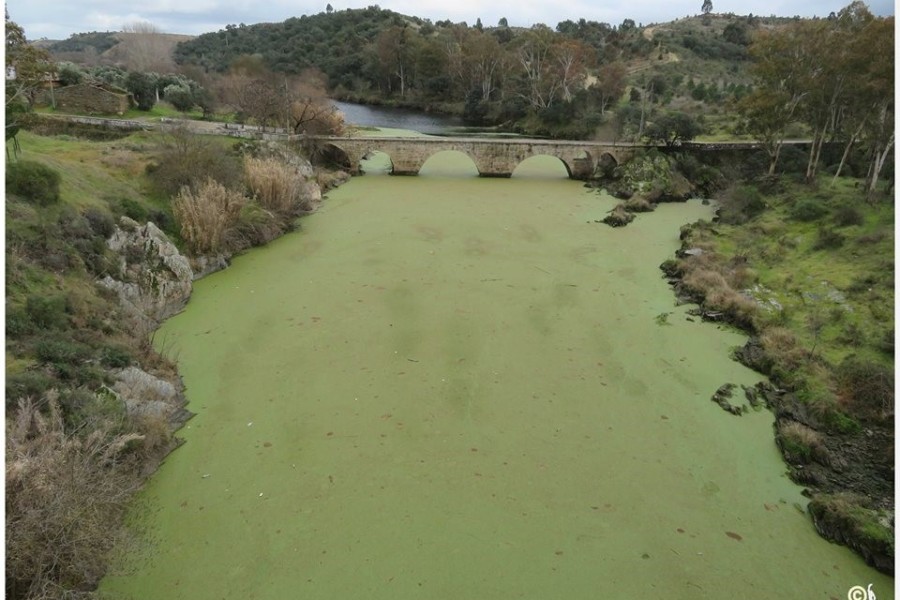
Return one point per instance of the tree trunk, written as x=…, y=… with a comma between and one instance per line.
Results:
x=773, y=155
x=846, y=153
x=878, y=161
x=815, y=152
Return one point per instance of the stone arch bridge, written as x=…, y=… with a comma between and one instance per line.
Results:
x=492, y=157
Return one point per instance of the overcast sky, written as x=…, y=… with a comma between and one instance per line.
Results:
x=58, y=19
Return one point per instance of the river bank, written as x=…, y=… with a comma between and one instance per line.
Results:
x=832, y=392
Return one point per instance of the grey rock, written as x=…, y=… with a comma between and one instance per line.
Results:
x=144, y=394
x=154, y=279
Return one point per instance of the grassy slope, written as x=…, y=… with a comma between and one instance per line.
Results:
x=848, y=286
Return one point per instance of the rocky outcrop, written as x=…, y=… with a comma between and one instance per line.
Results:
x=653, y=176
x=846, y=520
x=145, y=395
x=153, y=279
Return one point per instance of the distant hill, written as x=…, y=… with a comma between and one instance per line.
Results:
x=132, y=51
x=696, y=64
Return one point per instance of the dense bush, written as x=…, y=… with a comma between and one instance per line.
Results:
x=33, y=181
x=187, y=159
x=828, y=239
x=47, y=312
x=847, y=215
x=740, y=204
x=100, y=221
x=867, y=386
x=808, y=210
x=131, y=209
x=792, y=160
x=255, y=226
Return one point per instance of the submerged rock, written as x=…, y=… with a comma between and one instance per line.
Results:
x=722, y=397
x=618, y=217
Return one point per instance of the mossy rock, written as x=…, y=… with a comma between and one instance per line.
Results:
x=654, y=176
x=847, y=520
x=618, y=217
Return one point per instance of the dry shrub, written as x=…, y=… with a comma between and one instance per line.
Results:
x=66, y=494
x=275, y=186
x=206, y=214
x=328, y=180
x=742, y=277
x=799, y=442
x=782, y=348
x=739, y=308
x=866, y=386
x=705, y=281
x=156, y=433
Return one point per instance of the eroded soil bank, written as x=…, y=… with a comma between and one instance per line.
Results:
x=463, y=388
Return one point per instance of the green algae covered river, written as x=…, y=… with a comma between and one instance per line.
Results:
x=452, y=387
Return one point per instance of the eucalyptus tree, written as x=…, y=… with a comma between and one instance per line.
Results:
x=782, y=64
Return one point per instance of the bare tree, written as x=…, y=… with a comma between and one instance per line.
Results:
x=311, y=111
x=144, y=48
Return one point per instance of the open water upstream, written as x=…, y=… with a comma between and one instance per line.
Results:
x=452, y=387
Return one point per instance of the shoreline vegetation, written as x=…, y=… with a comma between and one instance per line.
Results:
x=93, y=406
x=807, y=271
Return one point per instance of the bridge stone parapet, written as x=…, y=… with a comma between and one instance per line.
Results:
x=492, y=157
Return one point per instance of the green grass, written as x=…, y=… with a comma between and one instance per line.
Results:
x=834, y=289
x=92, y=171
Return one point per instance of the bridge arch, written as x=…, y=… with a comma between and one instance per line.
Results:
x=376, y=161
x=606, y=163
x=543, y=165
x=453, y=163
x=333, y=154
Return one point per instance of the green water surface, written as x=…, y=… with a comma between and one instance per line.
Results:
x=451, y=387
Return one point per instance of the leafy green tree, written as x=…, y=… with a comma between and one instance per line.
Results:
x=610, y=84
x=737, y=32
x=29, y=65
x=707, y=7
x=180, y=96
x=782, y=63
x=69, y=74
x=673, y=128
x=143, y=87
x=393, y=49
